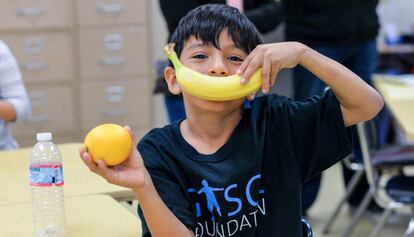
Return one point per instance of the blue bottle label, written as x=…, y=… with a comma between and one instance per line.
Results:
x=46, y=175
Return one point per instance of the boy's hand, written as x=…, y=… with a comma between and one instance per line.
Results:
x=271, y=58
x=131, y=173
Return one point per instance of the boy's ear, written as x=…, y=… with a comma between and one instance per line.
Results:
x=171, y=79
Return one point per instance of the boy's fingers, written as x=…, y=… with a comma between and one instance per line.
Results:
x=253, y=66
x=247, y=62
x=244, y=65
x=102, y=167
x=99, y=167
x=132, y=137
x=273, y=76
x=81, y=151
x=87, y=159
x=128, y=128
x=272, y=81
x=266, y=71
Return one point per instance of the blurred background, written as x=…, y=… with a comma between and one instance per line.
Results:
x=88, y=62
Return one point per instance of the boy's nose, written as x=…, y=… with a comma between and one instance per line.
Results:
x=218, y=69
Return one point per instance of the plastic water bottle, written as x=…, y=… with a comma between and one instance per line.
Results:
x=46, y=181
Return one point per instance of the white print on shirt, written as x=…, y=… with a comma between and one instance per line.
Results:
x=232, y=226
x=241, y=218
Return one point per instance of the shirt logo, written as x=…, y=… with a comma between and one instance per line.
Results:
x=234, y=220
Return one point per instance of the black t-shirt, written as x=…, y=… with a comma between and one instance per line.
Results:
x=251, y=185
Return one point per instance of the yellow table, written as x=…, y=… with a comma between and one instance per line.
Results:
x=399, y=98
x=79, y=180
x=89, y=216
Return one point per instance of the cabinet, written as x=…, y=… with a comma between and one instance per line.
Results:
x=84, y=63
x=35, y=14
x=113, y=52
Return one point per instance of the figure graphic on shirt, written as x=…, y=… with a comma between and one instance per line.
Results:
x=211, y=199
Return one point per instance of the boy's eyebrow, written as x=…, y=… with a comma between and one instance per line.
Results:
x=232, y=46
x=196, y=45
x=201, y=45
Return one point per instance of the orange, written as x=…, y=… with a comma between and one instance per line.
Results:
x=109, y=142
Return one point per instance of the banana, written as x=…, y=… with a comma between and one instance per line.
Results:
x=210, y=87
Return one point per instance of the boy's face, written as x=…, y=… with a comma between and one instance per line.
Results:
x=209, y=60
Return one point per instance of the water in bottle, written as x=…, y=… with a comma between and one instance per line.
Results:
x=46, y=181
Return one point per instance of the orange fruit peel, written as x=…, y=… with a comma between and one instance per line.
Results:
x=108, y=142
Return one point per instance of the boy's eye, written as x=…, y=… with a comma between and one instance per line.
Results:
x=200, y=56
x=235, y=58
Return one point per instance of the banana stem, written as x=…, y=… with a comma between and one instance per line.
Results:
x=172, y=55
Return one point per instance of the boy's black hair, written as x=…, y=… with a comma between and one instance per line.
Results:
x=206, y=22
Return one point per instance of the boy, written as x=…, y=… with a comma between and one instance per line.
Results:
x=235, y=170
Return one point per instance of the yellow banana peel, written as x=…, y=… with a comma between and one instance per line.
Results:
x=211, y=87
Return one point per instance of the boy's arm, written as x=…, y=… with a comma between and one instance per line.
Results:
x=359, y=101
x=133, y=174
x=159, y=218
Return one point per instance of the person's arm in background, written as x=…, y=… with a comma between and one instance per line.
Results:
x=173, y=11
x=14, y=102
x=266, y=15
x=7, y=111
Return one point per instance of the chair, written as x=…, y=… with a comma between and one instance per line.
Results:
x=398, y=190
x=358, y=168
x=359, y=172
x=306, y=228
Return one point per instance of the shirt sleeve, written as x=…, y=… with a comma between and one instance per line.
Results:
x=318, y=133
x=12, y=88
x=166, y=184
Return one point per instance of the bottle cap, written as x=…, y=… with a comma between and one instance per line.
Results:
x=44, y=136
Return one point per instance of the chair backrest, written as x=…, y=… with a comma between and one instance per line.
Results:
x=306, y=228
x=365, y=134
x=369, y=150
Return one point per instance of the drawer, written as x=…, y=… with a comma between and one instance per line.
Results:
x=43, y=56
x=111, y=12
x=124, y=103
x=35, y=14
x=112, y=53
x=52, y=110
